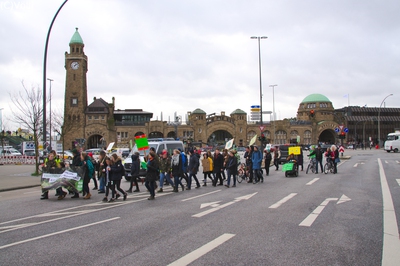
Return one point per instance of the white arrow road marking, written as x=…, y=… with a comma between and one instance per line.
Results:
x=398, y=181
x=246, y=197
x=397, y=161
x=202, y=195
x=355, y=165
x=195, y=254
x=312, y=181
x=343, y=198
x=386, y=162
x=212, y=204
x=309, y=220
x=285, y=199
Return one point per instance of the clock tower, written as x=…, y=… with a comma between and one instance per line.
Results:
x=75, y=102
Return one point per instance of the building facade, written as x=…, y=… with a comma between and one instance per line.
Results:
x=99, y=123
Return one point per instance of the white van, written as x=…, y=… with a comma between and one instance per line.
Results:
x=159, y=144
x=392, y=142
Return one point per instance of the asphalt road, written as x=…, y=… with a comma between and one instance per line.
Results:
x=312, y=219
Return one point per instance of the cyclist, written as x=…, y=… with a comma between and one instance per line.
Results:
x=312, y=156
x=330, y=156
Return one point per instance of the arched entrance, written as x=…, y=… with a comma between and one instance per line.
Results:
x=156, y=134
x=219, y=137
x=96, y=141
x=327, y=136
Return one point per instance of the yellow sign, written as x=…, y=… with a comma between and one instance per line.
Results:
x=295, y=150
x=255, y=109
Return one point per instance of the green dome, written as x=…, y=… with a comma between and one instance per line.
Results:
x=315, y=98
x=238, y=112
x=198, y=111
x=76, y=38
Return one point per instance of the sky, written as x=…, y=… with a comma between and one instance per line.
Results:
x=179, y=55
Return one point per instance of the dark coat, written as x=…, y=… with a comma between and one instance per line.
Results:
x=218, y=163
x=135, y=167
x=116, y=171
x=152, y=173
x=267, y=159
x=193, y=163
x=232, y=165
x=318, y=154
x=176, y=170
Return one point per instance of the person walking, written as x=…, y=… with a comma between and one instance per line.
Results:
x=193, y=169
x=117, y=170
x=277, y=156
x=76, y=161
x=101, y=173
x=89, y=170
x=249, y=164
x=336, y=159
x=109, y=182
x=207, y=164
x=165, y=170
x=218, y=167
x=53, y=166
x=176, y=169
x=256, y=159
x=318, y=157
x=152, y=174
x=231, y=168
x=135, y=168
x=267, y=160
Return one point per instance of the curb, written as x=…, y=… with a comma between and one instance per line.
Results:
x=15, y=188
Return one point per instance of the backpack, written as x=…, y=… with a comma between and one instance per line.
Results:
x=184, y=160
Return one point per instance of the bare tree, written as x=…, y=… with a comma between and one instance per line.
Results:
x=28, y=111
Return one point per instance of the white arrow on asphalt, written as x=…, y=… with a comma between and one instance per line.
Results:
x=218, y=207
x=343, y=198
x=212, y=204
x=309, y=220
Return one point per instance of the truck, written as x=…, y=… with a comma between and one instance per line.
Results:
x=392, y=142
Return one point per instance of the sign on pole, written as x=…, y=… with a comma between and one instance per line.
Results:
x=141, y=142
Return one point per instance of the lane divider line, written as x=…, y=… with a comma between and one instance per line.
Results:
x=285, y=199
x=202, y=195
x=312, y=181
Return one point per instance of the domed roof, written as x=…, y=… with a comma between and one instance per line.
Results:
x=198, y=111
x=238, y=112
x=315, y=98
x=76, y=38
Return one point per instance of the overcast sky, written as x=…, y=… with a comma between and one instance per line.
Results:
x=179, y=55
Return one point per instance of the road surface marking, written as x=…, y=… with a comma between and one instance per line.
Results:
x=391, y=241
x=202, y=195
x=312, y=181
x=195, y=254
x=212, y=204
x=201, y=214
x=309, y=220
x=285, y=199
x=397, y=161
x=398, y=181
x=56, y=233
x=343, y=198
x=355, y=165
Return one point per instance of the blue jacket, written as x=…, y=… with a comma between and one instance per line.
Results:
x=256, y=159
x=193, y=163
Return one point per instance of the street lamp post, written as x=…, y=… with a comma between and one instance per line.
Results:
x=273, y=106
x=50, y=112
x=259, y=68
x=379, y=120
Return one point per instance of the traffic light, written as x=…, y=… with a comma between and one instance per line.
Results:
x=312, y=113
x=342, y=135
x=261, y=138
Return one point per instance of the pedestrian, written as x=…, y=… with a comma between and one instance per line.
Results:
x=135, y=169
x=256, y=159
x=109, y=182
x=218, y=167
x=88, y=170
x=300, y=159
x=52, y=165
x=165, y=169
x=277, y=156
x=231, y=168
x=249, y=164
x=267, y=160
x=176, y=169
x=193, y=169
x=95, y=166
x=117, y=170
x=318, y=158
x=101, y=172
x=184, y=165
x=77, y=162
x=211, y=158
x=152, y=174
x=207, y=164
x=226, y=158
x=336, y=159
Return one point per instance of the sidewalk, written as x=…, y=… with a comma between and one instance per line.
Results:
x=17, y=177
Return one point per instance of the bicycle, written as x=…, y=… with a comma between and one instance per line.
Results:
x=243, y=173
x=328, y=167
x=312, y=166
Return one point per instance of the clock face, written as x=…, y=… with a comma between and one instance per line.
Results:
x=74, y=65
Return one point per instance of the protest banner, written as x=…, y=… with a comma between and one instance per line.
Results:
x=69, y=178
x=142, y=142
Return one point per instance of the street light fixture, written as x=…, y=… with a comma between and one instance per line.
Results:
x=379, y=119
x=273, y=106
x=259, y=67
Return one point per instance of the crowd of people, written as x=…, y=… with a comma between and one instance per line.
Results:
x=172, y=169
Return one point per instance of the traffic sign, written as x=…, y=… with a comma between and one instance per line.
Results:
x=346, y=130
x=341, y=127
x=337, y=129
x=262, y=128
x=255, y=106
x=255, y=109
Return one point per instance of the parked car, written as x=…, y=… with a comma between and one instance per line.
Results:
x=67, y=155
x=10, y=152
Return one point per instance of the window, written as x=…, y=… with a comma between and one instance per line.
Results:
x=89, y=117
x=96, y=117
x=74, y=101
x=102, y=117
